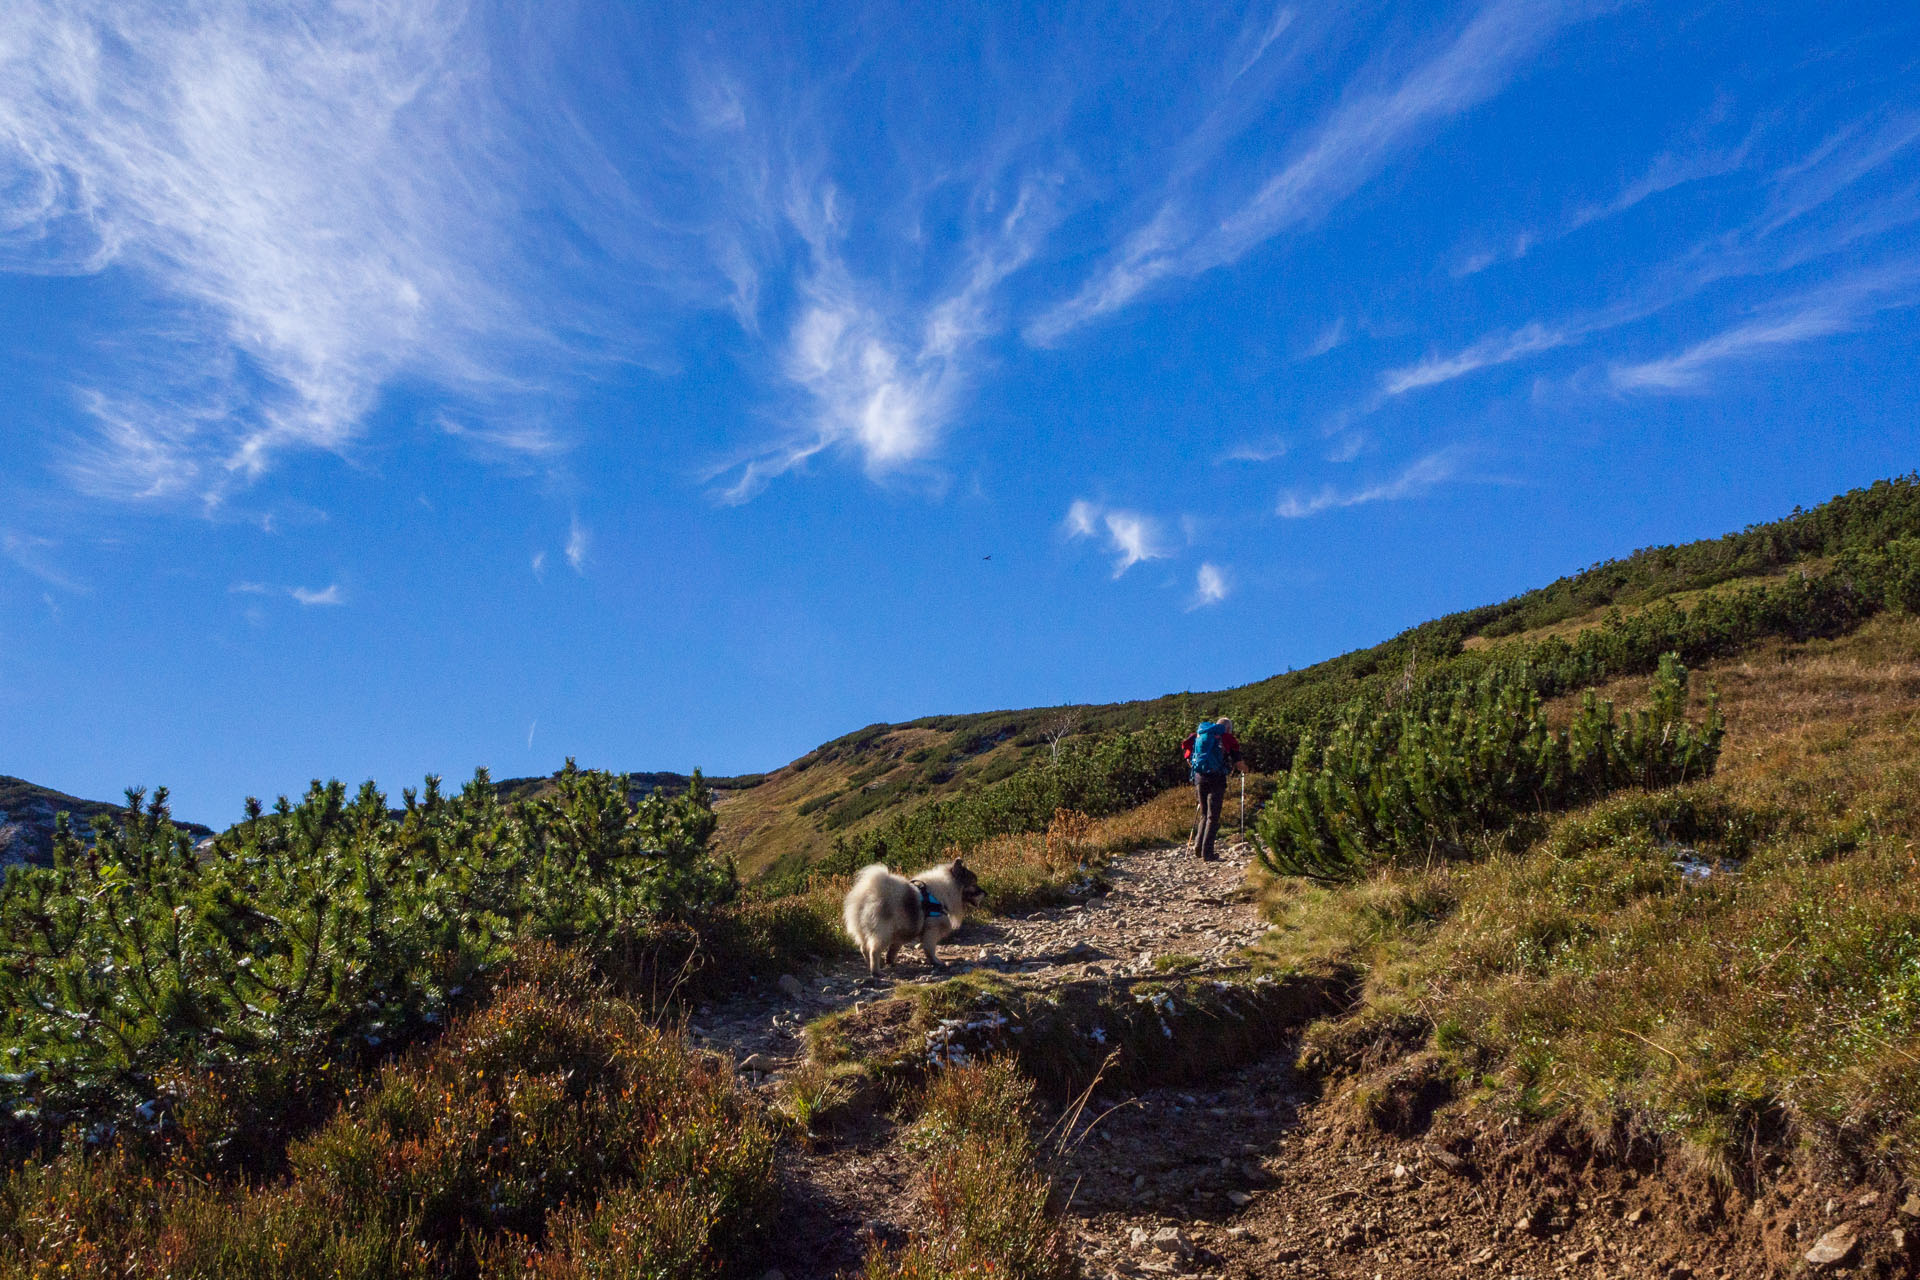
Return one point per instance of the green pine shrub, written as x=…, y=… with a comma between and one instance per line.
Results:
x=1427, y=781
x=323, y=933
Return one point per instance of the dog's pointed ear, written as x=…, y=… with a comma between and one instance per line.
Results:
x=958, y=865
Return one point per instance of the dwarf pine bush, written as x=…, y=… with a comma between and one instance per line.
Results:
x=1424, y=780
x=316, y=932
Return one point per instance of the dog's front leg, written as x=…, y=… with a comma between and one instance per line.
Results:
x=931, y=947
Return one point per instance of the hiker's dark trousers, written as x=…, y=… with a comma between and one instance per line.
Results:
x=1210, y=793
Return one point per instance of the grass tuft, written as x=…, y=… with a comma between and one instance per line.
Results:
x=985, y=1204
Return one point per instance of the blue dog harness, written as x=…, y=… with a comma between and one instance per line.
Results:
x=930, y=906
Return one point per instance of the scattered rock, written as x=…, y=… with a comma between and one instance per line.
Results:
x=1910, y=1207
x=792, y=986
x=756, y=1062
x=775, y=1274
x=1169, y=1241
x=1834, y=1247
x=1634, y=1217
x=1239, y=1199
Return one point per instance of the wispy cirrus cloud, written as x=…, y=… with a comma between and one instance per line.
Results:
x=310, y=596
x=1210, y=586
x=1795, y=228
x=1421, y=476
x=1687, y=370
x=1841, y=307
x=298, y=184
x=1494, y=349
x=1693, y=159
x=883, y=372
x=579, y=542
x=1132, y=536
x=1268, y=449
x=1335, y=158
x=34, y=554
x=1837, y=164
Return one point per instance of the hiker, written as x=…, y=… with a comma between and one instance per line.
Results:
x=1211, y=750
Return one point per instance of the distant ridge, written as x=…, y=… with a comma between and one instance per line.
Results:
x=27, y=811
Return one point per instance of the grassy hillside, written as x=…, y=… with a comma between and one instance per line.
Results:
x=358, y=1040
x=847, y=790
x=1733, y=962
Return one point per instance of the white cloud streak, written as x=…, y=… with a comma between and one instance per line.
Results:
x=1676, y=167
x=308, y=596
x=31, y=553
x=1753, y=249
x=578, y=544
x=1130, y=535
x=300, y=184
x=1352, y=144
x=1211, y=586
x=1495, y=349
x=883, y=375
x=1687, y=370
x=1422, y=475
x=1845, y=305
x=1268, y=450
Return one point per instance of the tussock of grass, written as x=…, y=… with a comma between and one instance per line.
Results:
x=1590, y=977
x=1172, y=1029
x=985, y=1204
x=812, y=1092
x=554, y=1132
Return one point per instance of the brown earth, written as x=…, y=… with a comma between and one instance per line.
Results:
x=1264, y=1172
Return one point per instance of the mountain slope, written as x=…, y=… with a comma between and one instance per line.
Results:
x=860, y=781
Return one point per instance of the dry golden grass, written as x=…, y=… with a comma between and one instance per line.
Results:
x=983, y=1203
x=554, y=1132
x=1589, y=976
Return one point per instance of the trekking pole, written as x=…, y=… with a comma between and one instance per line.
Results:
x=1243, y=804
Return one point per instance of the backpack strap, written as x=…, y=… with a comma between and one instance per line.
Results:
x=930, y=908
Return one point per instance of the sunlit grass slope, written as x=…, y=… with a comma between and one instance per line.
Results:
x=1734, y=962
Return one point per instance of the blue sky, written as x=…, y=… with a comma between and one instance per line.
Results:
x=401, y=387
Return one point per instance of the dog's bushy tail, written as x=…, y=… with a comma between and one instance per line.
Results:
x=863, y=891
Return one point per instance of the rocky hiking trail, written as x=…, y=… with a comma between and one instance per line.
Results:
x=1249, y=1174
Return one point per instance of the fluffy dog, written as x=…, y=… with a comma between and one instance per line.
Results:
x=884, y=911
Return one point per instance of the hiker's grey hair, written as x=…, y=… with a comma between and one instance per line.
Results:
x=1226, y=722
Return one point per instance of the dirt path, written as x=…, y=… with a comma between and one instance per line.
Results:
x=1162, y=902
x=856, y=1185
x=1246, y=1176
